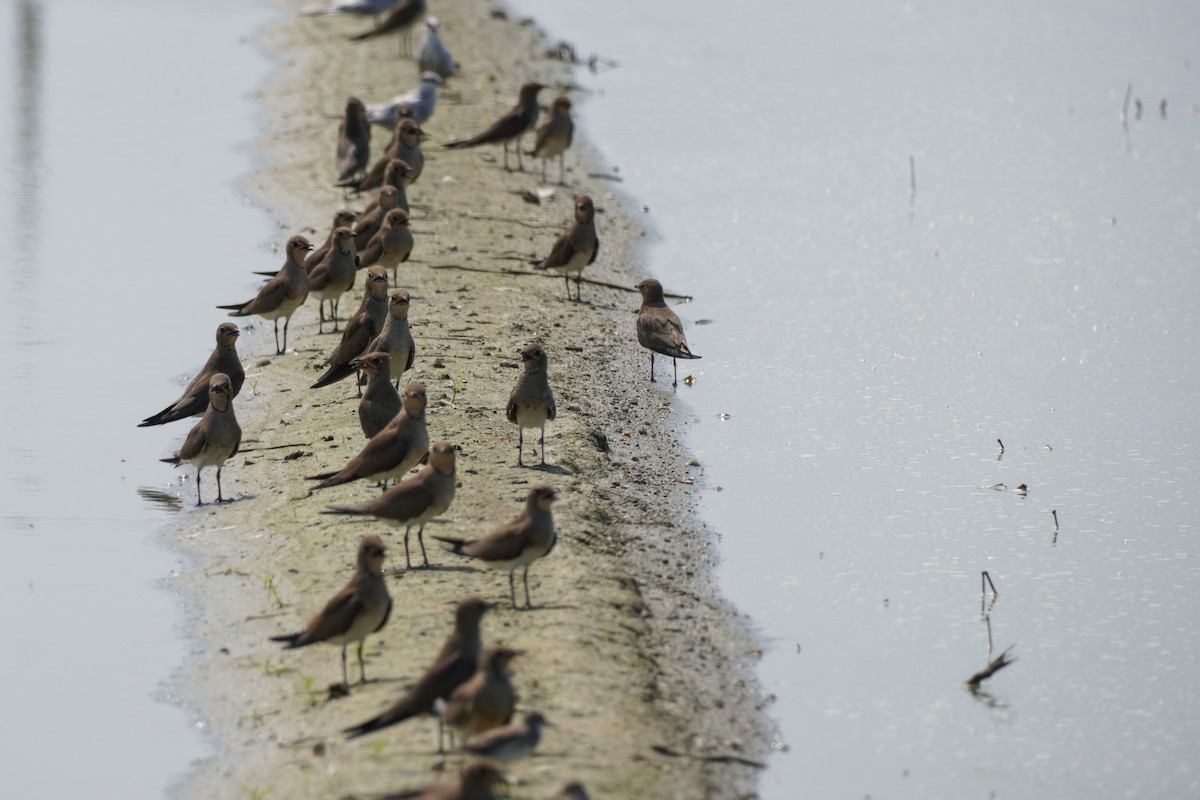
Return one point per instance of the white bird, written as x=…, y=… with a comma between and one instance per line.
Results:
x=433, y=56
x=420, y=101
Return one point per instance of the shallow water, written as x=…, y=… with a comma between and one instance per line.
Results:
x=878, y=323
x=123, y=131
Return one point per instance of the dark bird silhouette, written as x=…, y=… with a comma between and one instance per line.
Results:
x=509, y=128
x=194, y=399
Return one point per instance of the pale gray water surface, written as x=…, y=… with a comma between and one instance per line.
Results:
x=870, y=344
x=122, y=134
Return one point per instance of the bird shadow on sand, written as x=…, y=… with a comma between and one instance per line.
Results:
x=550, y=469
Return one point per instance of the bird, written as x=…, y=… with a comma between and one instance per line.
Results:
x=343, y=218
x=353, y=151
x=371, y=219
x=510, y=127
x=554, y=137
x=572, y=791
x=522, y=541
x=659, y=329
x=433, y=55
x=360, y=330
x=486, y=699
x=361, y=608
x=576, y=248
x=334, y=276
x=380, y=402
x=395, y=176
x=531, y=402
x=215, y=438
x=510, y=742
x=408, y=148
x=375, y=7
x=400, y=19
x=415, y=500
x=420, y=101
x=395, y=338
x=392, y=244
x=393, y=451
x=475, y=782
x=194, y=399
x=455, y=664
x=281, y=295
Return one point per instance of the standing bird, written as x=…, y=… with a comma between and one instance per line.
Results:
x=396, y=339
x=511, y=742
x=509, y=128
x=406, y=146
x=371, y=219
x=215, y=438
x=528, y=537
x=531, y=402
x=576, y=248
x=420, y=102
x=361, y=608
x=194, y=399
x=475, y=782
x=455, y=663
x=380, y=403
x=401, y=19
x=392, y=244
x=392, y=452
x=362, y=328
x=353, y=143
x=486, y=700
x=433, y=55
x=334, y=276
x=395, y=176
x=415, y=500
x=659, y=329
x=281, y=295
x=344, y=218
x=554, y=137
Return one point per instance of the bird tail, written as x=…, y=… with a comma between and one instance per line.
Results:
x=460, y=144
x=334, y=374
x=173, y=461
x=376, y=723
x=539, y=264
x=289, y=638
x=161, y=418
x=236, y=307
x=452, y=544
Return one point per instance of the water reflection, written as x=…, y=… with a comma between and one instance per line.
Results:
x=160, y=499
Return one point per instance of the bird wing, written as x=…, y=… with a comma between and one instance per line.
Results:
x=197, y=440
x=511, y=124
x=335, y=619
x=562, y=252
x=501, y=545
x=595, y=252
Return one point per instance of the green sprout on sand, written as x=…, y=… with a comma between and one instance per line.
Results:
x=269, y=585
x=275, y=672
x=455, y=390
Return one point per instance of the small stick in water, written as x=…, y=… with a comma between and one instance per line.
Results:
x=1054, y=513
x=1001, y=445
x=985, y=580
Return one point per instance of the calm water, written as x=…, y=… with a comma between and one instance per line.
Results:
x=121, y=136
x=870, y=344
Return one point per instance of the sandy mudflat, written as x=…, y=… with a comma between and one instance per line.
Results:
x=642, y=669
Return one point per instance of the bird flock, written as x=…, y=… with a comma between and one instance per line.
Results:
x=467, y=688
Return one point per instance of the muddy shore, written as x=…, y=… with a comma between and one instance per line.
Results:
x=644, y=671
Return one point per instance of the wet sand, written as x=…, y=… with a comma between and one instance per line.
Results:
x=641, y=667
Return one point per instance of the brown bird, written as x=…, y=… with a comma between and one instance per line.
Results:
x=401, y=19
x=404, y=146
x=361, y=608
x=554, y=137
x=370, y=221
x=342, y=219
x=659, y=329
x=486, y=700
x=475, y=782
x=512, y=741
x=281, y=295
x=415, y=500
x=334, y=276
x=576, y=248
x=353, y=143
x=531, y=402
x=392, y=452
x=522, y=117
x=392, y=244
x=362, y=328
x=215, y=438
x=395, y=175
x=528, y=537
x=454, y=665
x=380, y=403
x=396, y=338
x=194, y=399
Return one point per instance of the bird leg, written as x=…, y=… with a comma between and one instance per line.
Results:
x=199, y=502
x=362, y=666
x=675, y=366
x=512, y=589
x=220, y=499
x=286, y=320
x=421, y=541
x=345, y=681
x=278, y=352
x=543, y=443
x=652, y=367
x=407, y=562
x=520, y=446
x=528, y=603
